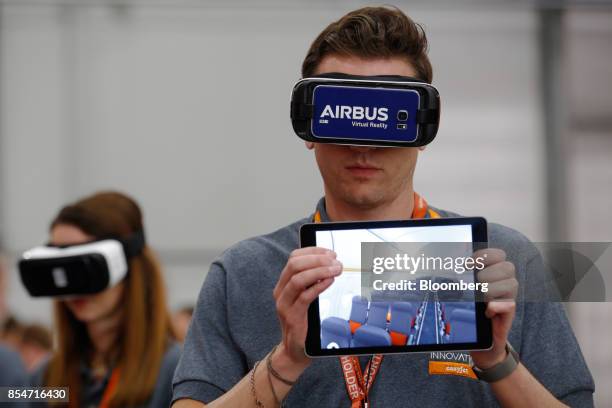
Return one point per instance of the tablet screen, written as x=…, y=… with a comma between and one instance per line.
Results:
x=404, y=287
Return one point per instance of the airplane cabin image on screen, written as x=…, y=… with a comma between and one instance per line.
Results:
x=354, y=314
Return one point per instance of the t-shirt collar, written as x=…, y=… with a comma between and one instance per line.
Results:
x=421, y=209
x=321, y=210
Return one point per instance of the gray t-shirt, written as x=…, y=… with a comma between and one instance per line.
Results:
x=92, y=390
x=235, y=324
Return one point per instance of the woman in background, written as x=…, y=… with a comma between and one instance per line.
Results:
x=115, y=348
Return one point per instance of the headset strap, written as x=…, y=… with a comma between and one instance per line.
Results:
x=132, y=245
x=427, y=116
x=302, y=111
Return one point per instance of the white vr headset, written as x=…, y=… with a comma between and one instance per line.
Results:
x=78, y=269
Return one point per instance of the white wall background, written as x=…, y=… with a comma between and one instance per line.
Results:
x=185, y=106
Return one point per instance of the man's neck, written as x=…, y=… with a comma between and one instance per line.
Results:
x=398, y=209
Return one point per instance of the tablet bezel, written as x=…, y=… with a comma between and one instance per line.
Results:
x=484, y=335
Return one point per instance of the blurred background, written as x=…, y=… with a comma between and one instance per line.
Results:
x=185, y=106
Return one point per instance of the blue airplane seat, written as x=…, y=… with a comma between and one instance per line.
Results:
x=377, y=316
x=462, y=326
x=335, y=330
x=450, y=307
x=370, y=336
x=359, y=312
x=401, y=320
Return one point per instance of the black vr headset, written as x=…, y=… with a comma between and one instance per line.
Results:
x=365, y=110
x=76, y=270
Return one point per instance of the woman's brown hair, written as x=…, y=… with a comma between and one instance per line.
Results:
x=145, y=330
x=372, y=32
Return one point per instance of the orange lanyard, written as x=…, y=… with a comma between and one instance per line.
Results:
x=351, y=369
x=354, y=380
x=110, y=388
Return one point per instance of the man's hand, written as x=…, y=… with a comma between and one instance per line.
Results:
x=502, y=290
x=308, y=272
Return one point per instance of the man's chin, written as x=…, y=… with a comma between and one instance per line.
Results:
x=364, y=200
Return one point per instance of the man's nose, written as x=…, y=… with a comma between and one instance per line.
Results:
x=362, y=149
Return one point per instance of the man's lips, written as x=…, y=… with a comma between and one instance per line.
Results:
x=362, y=170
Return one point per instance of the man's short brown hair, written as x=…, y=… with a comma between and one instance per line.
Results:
x=372, y=32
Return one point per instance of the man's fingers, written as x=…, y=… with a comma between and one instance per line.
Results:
x=310, y=251
x=302, y=281
x=295, y=316
x=499, y=308
x=297, y=263
x=497, y=272
x=506, y=289
x=301, y=263
x=490, y=256
x=306, y=297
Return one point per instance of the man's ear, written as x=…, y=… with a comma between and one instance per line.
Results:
x=421, y=148
x=309, y=145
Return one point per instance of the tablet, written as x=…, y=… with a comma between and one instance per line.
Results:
x=406, y=286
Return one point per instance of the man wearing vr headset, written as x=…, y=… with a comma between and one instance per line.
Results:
x=264, y=281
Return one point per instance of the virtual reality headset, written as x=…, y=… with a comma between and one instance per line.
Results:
x=75, y=270
x=365, y=110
